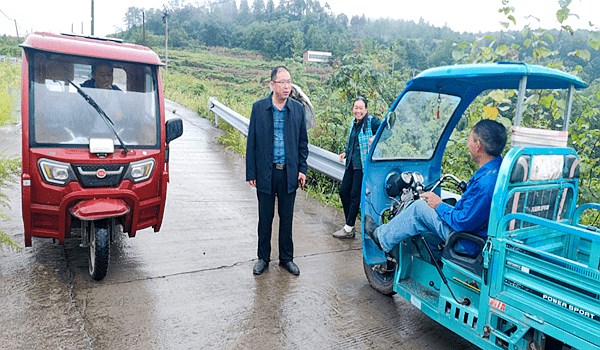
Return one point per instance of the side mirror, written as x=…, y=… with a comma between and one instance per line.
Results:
x=391, y=119
x=462, y=124
x=174, y=129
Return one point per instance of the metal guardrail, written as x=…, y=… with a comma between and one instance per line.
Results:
x=232, y=117
x=15, y=60
x=319, y=159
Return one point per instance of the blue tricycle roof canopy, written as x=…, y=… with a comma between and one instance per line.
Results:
x=493, y=76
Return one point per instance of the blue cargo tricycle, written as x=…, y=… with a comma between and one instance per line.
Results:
x=535, y=280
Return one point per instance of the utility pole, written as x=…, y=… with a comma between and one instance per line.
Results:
x=92, y=32
x=144, y=26
x=165, y=19
x=17, y=28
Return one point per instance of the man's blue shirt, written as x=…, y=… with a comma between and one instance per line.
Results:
x=278, y=142
x=471, y=213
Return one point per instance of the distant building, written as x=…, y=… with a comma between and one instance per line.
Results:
x=316, y=56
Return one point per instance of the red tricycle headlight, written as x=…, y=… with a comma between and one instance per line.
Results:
x=140, y=171
x=55, y=173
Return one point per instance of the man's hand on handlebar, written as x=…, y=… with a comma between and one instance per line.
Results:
x=432, y=199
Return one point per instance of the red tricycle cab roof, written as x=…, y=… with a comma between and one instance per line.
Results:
x=107, y=48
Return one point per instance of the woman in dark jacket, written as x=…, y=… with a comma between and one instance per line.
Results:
x=363, y=128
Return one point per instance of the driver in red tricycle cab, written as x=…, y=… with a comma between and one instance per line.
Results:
x=432, y=217
x=102, y=77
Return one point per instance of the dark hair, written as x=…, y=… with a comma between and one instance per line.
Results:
x=277, y=70
x=360, y=98
x=492, y=136
x=95, y=65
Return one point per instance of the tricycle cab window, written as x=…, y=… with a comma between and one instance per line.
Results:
x=61, y=117
x=417, y=123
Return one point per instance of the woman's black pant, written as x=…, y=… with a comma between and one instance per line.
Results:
x=350, y=194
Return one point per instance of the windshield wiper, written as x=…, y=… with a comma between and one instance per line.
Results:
x=106, y=119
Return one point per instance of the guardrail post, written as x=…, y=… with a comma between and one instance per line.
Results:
x=210, y=108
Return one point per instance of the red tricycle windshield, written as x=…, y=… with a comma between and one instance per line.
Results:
x=64, y=90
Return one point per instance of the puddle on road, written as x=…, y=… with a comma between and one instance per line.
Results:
x=41, y=309
x=36, y=309
x=118, y=311
x=318, y=309
x=118, y=316
x=264, y=325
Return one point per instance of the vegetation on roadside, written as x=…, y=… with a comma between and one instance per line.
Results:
x=242, y=78
x=10, y=166
x=543, y=109
x=10, y=78
x=9, y=46
x=379, y=72
x=288, y=28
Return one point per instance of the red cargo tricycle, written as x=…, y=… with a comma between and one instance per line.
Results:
x=95, y=141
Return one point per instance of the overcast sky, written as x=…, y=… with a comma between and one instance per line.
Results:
x=460, y=15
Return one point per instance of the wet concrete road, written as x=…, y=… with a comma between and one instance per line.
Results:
x=190, y=286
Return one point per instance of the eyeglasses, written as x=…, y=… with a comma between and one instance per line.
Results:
x=283, y=82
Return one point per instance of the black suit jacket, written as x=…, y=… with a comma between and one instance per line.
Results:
x=259, y=147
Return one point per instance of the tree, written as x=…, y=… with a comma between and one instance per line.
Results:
x=282, y=37
x=178, y=37
x=214, y=33
x=298, y=46
x=339, y=44
x=258, y=10
x=422, y=44
x=229, y=9
x=270, y=9
x=296, y=8
x=342, y=20
x=441, y=55
x=399, y=50
x=255, y=35
x=244, y=12
x=133, y=17
x=315, y=39
x=544, y=108
x=358, y=23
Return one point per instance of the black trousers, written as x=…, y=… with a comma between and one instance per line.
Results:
x=350, y=194
x=266, y=212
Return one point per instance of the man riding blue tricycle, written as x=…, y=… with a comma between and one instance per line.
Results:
x=508, y=265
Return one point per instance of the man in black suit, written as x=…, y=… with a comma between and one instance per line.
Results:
x=276, y=154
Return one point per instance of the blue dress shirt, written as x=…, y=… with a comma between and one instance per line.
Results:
x=471, y=213
x=278, y=128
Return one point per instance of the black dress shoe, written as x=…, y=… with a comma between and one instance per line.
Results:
x=260, y=267
x=370, y=230
x=290, y=266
